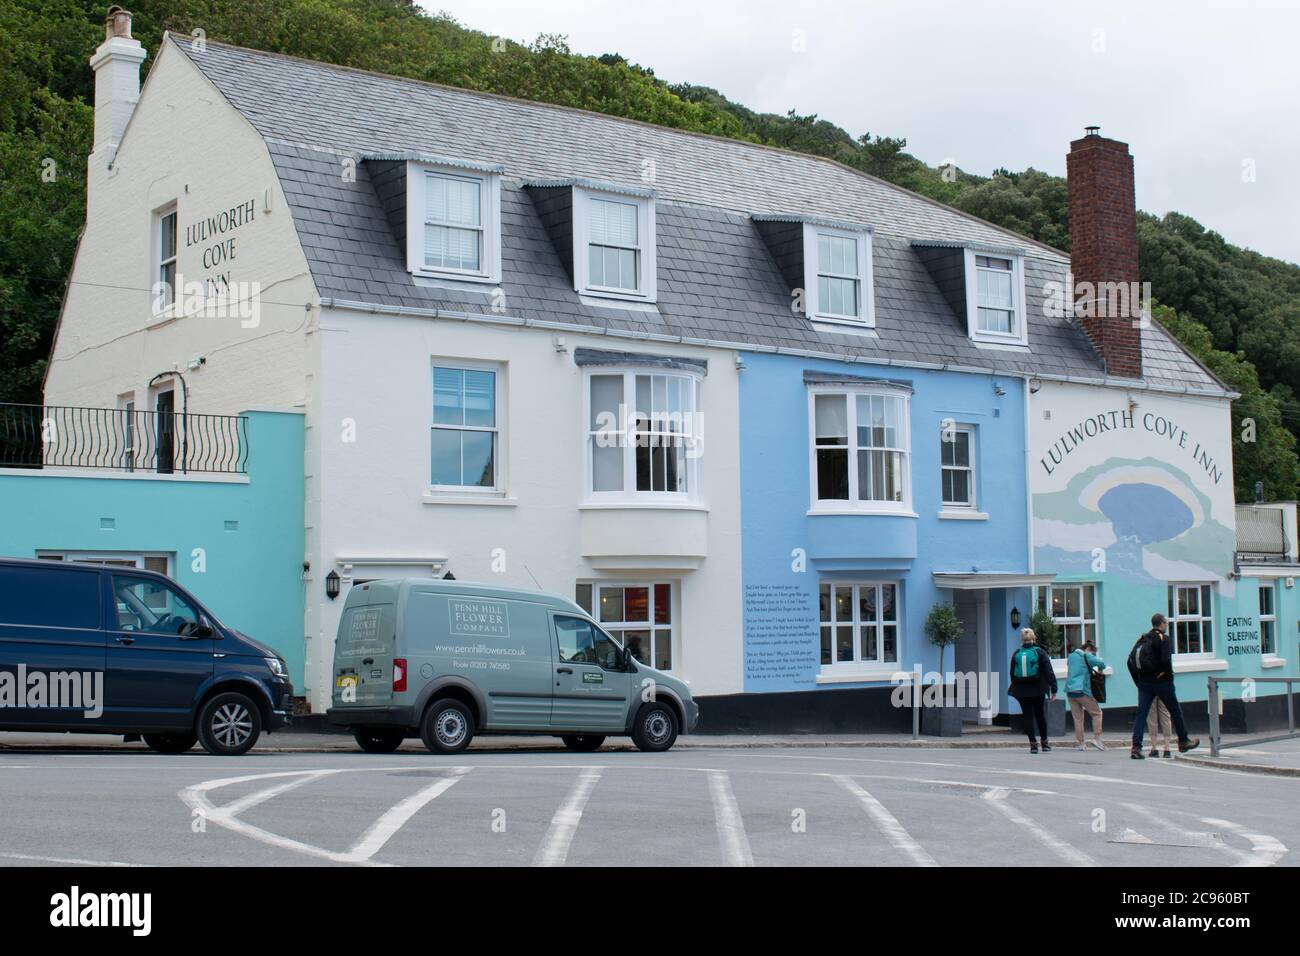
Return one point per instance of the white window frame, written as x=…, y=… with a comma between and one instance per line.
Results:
x=818, y=311
x=859, y=626
x=1043, y=599
x=854, y=505
x=646, y=290
x=157, y=261
x=499, y=429
x=629, y=493
x=618, y=629
x=489, y=222
x=1019, y=334
x=972, y=451
x=1206, y=616
x=1271, y=588
x=136, y=558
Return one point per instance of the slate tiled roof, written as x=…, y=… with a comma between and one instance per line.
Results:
x=717, y=279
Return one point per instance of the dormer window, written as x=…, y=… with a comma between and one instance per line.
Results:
x=837, y=265
x=453, y=225
x=614, y=254
x=995, y=298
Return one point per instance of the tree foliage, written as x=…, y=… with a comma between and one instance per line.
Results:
x=1247, y=304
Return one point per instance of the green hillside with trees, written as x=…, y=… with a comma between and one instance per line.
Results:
x=1238, y=311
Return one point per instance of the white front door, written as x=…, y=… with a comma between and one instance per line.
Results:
x=972, y=651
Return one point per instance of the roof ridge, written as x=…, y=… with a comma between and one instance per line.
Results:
x=709, y=137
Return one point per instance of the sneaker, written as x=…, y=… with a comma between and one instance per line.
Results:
x=1191, y=743
x=1137, y=754
x=1168, y=755
x=1155, y=752
x=1080, y=746
x=1033, y=747
x=1097, y=743
x=1046, y=746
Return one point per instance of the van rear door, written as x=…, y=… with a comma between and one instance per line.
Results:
x=366, y=646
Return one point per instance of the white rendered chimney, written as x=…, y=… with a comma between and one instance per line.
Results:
x=117, y=81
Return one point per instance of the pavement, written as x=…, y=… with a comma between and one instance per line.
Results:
x=710, y=801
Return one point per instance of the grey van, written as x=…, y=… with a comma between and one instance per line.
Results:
x=446, y=660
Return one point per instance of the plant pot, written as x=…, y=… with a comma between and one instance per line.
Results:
x=943, y=721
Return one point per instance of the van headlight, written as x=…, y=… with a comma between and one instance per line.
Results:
x=276, y=665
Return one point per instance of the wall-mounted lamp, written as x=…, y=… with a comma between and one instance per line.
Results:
x=332, y=585
x=559, y=344
x=1034, y=385
x=740, y=362
x=998, y=390
x=1015, y=618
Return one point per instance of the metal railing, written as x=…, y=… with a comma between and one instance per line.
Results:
x=1213, y=701
x=63, y=436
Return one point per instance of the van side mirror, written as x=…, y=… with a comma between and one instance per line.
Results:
x=626, y=661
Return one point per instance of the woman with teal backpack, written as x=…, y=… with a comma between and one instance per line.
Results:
x=1032, y=681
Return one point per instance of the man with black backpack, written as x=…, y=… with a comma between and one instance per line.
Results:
x=1151, y=664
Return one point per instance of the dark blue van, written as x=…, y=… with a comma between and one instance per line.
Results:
x=90, y=648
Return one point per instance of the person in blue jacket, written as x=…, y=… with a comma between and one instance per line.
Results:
x=1078, y=690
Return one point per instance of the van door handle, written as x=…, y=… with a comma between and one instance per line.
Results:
x=125, y=640
x=564, y=670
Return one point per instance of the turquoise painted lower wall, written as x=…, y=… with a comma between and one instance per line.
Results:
x=248, y=534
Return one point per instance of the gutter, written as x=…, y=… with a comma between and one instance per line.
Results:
x=371, y=308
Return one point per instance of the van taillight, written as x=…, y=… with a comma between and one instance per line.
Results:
x=399, y=674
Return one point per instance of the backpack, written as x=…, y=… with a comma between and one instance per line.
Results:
x=1024, y=665
x=1144, y=659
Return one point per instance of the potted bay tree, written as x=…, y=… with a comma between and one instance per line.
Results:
x=942, y=718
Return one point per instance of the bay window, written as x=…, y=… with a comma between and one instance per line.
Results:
x=643, y=435
x=860, y=450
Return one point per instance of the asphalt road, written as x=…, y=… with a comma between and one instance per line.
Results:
x=854, y=806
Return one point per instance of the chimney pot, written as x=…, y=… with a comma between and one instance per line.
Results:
x=117, y=23
x=1092, y=130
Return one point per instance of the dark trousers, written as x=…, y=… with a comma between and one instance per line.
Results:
x=1034, y=713
x=1148, y=692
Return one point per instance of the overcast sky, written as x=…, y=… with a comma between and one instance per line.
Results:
x=1207, y=94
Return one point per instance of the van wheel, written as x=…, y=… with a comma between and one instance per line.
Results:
x=229, y=725
x=171, y=743
x=448, y=727
x=583, y=743
x=378, y=740
x=655, y=729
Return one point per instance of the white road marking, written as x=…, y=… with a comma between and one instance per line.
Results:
x=383, y=829
x=997, y=798
x=1192, y=838
x=196, y=798
x=554, y=849
x=887, y=823
x=68, y=861
x=1265, y=850
x=731, y=826
x=237, y=807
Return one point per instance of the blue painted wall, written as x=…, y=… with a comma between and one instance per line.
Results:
x=782, y=643
x=251, y=532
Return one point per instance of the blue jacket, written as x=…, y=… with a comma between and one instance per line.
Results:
x=1076, y=678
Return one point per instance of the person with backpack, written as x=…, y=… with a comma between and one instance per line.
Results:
x=1084, y=664
x=1032, y=680
x=1151, y=664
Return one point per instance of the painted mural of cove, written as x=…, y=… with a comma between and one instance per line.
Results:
x=1141, y=519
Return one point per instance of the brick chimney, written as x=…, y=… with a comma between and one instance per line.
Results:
x=1103, y=250
x=117, y=82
